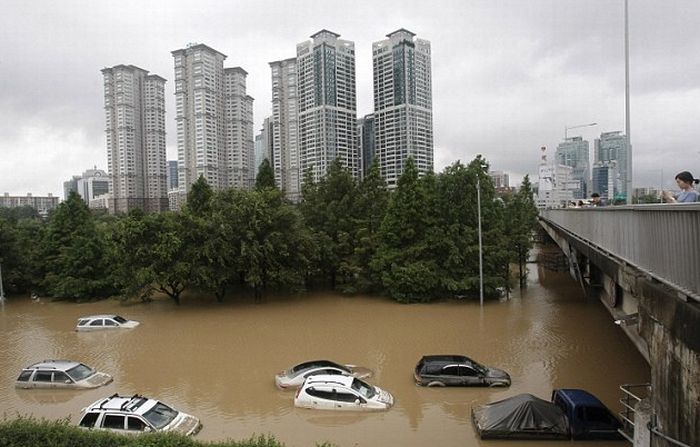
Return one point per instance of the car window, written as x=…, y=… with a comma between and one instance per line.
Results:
x=42, y=376
x=109, y=322
x=321, y=394
x=135, y=424
x=113, y=421
x=96, y=323
x=80, y=372
x=160, y=415
x=119, y=319
x=451, y=370
x=61, y=377
x=24, y=376
x=346, y=397
x=83, y=322
x=467, y=371
x=433, y=369
x=599, y=415
x=89, y=420
x=363, y=388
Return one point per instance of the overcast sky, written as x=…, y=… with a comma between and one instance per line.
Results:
x=508, y=75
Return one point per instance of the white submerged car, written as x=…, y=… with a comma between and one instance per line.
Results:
x=333, y=392
x=61, y=374
x=137, y=414
x=100, y=322
x=295, y=376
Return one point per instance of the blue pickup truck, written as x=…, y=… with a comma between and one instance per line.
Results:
x=588, y=417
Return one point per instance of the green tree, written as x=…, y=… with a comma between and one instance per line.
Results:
x=75, y=253
x=372, y=202
x=403, y=259
x=153, y=254
x=199, y=197
x=327, y=207
x=265, y=177
x=521, y=214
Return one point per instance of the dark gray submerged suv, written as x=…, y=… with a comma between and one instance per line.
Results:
x=457, y=370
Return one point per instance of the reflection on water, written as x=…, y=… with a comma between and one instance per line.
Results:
x=218, y=361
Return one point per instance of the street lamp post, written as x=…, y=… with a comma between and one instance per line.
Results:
x=628, y=180
x=481, y=257
x=2, y=292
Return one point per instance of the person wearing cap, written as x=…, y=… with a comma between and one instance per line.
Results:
x=596, y=200
x=688, y=194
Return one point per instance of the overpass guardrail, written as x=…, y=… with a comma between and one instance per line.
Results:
x=662, y=240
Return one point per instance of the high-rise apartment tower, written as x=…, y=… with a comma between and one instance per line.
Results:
x=327, y=109
x=214, y=118
x=135, y=134
x=403, y=110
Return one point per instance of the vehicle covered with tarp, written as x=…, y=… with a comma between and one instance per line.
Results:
x=520, y=417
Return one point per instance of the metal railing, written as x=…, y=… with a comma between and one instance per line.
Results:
x=632, y=394
x=661, y=240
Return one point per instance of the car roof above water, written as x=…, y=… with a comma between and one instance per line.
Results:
x=59, y=365
x=135, y=404
x=330, y=379
x=93, y=317
x=445, y=358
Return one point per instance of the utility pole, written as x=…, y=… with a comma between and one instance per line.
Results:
x=481, y=257
x=2, y=292
x=628, y=180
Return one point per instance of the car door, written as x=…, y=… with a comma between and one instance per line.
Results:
x=450, y=375
x=95, y=324
x=345, y=400
x=135, y=424
x=469, y=376
x=42, y=379
x=61, y=380
x=113, y=422
x=110, y=324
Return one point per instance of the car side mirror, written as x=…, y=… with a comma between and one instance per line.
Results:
x=357, y=401
x=147, y=429
x=68, y=382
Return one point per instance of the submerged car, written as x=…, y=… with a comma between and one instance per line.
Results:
x=137, y=414
x=99, y=322
x=61, y=374
x=457, y=370
x=337, y=392
x=295, y=376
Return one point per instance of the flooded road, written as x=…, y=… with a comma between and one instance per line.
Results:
x=218, y=361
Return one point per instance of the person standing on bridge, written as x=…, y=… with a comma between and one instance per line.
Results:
x=688, y=194
x=596, y=200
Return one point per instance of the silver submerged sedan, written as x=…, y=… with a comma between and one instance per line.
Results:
x=61, y=374
x=295, y=376
x=100, y=322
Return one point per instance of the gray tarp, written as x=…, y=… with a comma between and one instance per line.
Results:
x=520, y=417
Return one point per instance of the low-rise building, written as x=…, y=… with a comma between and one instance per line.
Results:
x=43, y=204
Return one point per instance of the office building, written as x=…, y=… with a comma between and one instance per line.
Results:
x=605, y=180
x=70, y=186
x=135, y=134
x=556, y=184
x=214, y=117
x=284, y=127
x=327, y=110
x=92, y=184
x=172, y=176
x=612, y=146
x=500, y=180
x=263, y=146
x=574, y=152
x=403, y=110
x=365, y=134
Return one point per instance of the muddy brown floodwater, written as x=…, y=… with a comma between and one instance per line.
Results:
x=218, y=361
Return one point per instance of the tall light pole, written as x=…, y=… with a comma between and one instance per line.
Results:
x=481, y=257
x=628, y=179
x=567, y=129
x=2, y=292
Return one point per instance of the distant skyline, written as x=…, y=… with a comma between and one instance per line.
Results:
x=508, y=75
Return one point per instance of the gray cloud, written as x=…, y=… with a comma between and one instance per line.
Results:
x=508, y=75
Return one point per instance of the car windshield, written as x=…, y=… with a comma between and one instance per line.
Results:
x=160, y=415
x=80, y=372
x=119, y=319
x=83, y=322
x=363, y=388
x=302, y=367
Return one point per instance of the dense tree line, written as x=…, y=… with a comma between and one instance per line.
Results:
x=415, y=244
